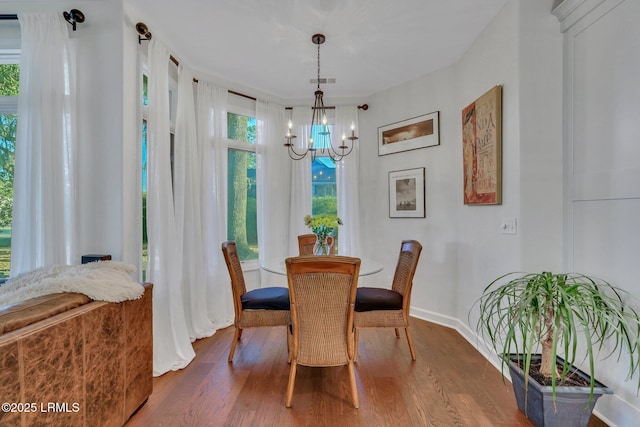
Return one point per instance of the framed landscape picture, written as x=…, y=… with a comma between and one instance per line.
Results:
x=411, y=134
x=407, y=193
x=482, y=149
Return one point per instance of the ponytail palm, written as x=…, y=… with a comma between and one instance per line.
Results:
x=567, y=315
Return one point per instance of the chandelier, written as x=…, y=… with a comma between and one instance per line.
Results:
x=320, y=143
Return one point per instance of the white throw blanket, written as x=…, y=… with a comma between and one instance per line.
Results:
x=102, y=280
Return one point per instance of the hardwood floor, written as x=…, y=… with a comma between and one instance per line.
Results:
x=450, y=384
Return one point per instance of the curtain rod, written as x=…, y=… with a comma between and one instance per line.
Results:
x=328, y=107
x=364, y=107
x=73, y=17
x=233, y=92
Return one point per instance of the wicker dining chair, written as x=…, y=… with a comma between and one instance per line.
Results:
x=260, y=307
x=323, y=292
x=306, y=242
x=380, y=308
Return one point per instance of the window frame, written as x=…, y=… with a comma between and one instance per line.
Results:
x=8, y=105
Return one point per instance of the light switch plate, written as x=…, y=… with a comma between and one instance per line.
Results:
x=509, y=226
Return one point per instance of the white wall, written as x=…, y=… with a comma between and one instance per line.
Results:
x=100, y=128
x=484, y=253
x=602, y=65
x=464, y=248
x=438, y=232
x=541, y=154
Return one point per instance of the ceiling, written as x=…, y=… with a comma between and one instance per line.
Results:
x=266, y=45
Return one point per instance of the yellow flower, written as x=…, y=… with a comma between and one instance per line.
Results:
x=322, y=224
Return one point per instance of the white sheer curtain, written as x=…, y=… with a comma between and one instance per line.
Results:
x=347, y=175
x=171, y=346
x=274, y=186
x=44, y=210
x=188, y=198
x=211, y=120
x=300, y=201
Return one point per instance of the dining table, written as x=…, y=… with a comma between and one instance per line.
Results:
x=368, y=266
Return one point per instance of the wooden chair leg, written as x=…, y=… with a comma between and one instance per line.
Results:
x=397, y=332
x=356, y=335
x=411, y=349
x=292, y=380
x=236, y=338
x=354, y=386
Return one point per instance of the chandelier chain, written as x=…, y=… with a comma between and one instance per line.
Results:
x=318, y=66
x=321, y=146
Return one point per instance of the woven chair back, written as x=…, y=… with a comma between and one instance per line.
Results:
x=322, y=290
x=406, y=267
x=238, y=286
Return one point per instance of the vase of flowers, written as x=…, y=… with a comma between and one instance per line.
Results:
x=324, y=227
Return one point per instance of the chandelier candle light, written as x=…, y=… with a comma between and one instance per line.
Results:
x=321, y=145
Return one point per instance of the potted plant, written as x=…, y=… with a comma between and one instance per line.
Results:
x=566, y=318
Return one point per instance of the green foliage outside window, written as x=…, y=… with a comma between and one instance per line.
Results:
x=325, y=205
x=9, y=79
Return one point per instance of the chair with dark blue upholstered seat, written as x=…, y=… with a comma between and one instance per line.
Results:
x=389, y=308
x=323, y=293
x=259, y=307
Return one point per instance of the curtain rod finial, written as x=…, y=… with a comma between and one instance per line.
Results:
x=143, y=31
x=73, y=16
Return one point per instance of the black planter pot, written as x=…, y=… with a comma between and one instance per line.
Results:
x=573, y=408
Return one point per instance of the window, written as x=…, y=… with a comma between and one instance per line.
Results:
x=323, y=178
x=145, y=239
x=242, y=218
x=9, y=85
x=323, y=186
x=324, y=199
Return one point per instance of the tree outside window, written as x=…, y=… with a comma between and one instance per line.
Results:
x=241, y=192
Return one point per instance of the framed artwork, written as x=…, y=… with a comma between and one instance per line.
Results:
x=411, y=134
x=482, y=149
x=406, y=193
